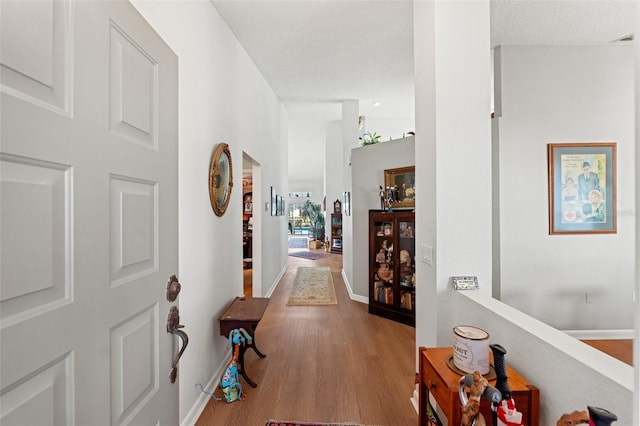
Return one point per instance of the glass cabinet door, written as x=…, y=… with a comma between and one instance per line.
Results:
x=406, y=265
x=384, y=262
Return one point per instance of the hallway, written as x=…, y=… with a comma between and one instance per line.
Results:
x=324, y=363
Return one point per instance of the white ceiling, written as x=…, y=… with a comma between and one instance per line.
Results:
x=315, y=54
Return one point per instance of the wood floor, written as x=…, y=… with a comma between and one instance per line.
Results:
x=324, y=364
x=621, y=349
x=332, y=363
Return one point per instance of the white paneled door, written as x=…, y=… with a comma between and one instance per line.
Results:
x=89, y=216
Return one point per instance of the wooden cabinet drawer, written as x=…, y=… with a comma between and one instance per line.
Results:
x=437, y=386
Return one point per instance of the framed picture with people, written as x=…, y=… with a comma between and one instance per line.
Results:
x=400, y=187
x=582, y=188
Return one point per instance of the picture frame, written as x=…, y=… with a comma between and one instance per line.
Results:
x=247, y=202
x=402, y=182
x=280, y=204
x=346, y=202
x=274, y=206
x=582, y=188
x=220, y=178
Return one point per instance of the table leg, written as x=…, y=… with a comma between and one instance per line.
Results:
x=255, y=348
x=243, y=349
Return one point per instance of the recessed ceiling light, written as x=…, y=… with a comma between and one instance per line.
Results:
x=376, y=103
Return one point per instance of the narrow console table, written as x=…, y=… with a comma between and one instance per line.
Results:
x=244, y=312
x=437, y=378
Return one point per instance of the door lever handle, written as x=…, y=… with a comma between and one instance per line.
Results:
x=185, y=342
x=173, y=327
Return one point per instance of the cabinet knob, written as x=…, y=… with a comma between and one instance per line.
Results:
x=432, y=385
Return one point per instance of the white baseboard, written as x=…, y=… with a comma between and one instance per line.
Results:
x=352, y=295
x=277, y=280
x=415, y=398
x=201, y=402
x=600, y=334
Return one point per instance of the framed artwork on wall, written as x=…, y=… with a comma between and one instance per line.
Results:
x=274, y=206
x=247, y=202
x=280, y=205
x=400, y=183
x=220, y=178
x=582, y=188
x=346, y=203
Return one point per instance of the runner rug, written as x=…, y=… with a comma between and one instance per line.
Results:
x=312, y=286
x=288, y=423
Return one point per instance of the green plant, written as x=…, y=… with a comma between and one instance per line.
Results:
x=312, y=213
x=370, y=138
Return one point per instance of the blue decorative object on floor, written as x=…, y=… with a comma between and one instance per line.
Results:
x=298, y=242
x=309, y=255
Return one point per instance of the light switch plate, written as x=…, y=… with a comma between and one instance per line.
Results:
x=427, y=254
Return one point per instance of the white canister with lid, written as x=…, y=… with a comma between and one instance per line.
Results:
x=471, y=349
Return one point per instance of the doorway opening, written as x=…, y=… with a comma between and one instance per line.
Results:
x=251, y=230
x=247, y=226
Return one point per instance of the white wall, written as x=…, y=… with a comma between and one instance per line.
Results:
x=307, y=157
x=368, y=164
x=350, y=134
x=222, y=98
x=636, y=334
x=334, y=181
x=453, y=157
x=564, y=94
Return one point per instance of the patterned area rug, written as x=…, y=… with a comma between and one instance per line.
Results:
x=288, y=423
x=309, y=254
x=312, y=286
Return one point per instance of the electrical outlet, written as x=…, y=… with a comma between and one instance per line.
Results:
x=588, y=297
x=633, y=296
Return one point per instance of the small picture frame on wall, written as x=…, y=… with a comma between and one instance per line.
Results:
x=280, y=205
x=247, y=202
x=346, y=203
x=582, y=188
x=274, y=205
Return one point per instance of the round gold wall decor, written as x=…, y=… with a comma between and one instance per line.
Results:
x=220, y=178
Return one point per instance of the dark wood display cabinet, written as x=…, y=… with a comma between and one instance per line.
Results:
x=392, y=265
